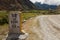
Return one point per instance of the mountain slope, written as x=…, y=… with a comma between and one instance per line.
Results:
x=16, y=5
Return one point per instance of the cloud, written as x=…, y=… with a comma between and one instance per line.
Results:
x=50, y=2
x=37, y=1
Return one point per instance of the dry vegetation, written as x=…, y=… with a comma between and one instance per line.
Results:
x=3, y=31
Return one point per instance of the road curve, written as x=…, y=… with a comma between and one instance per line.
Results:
x=44, y=27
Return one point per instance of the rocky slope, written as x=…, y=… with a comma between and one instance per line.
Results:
x=16, y=5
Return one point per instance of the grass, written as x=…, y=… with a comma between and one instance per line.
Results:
x=25, y=15
x=28, y=15
x=3, y=29
x=3, y=13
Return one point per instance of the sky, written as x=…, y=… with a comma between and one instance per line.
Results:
x=50, y=2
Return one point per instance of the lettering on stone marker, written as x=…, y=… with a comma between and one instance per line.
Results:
x=14, y=15
x=14, y=20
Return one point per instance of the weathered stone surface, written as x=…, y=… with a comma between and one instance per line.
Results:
x=14, y=22
x=22, y=36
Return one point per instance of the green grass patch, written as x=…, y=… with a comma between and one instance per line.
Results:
x=28, y=15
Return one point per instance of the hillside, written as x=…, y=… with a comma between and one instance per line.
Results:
x=16, y=5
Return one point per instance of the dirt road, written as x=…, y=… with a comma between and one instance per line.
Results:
x=45, y=27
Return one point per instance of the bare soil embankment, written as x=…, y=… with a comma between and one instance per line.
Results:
x=46, y=27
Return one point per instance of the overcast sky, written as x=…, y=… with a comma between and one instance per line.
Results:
x=50, y=2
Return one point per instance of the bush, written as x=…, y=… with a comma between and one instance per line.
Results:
x=3, y=18
x=3, y=21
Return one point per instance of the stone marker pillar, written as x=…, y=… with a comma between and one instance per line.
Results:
x=14, y=22
x=15, y=32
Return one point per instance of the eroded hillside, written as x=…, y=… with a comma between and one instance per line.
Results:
x=16, y=5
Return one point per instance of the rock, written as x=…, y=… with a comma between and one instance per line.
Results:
x=22, y=36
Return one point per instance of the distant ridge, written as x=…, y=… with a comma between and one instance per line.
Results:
x=45, y=6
